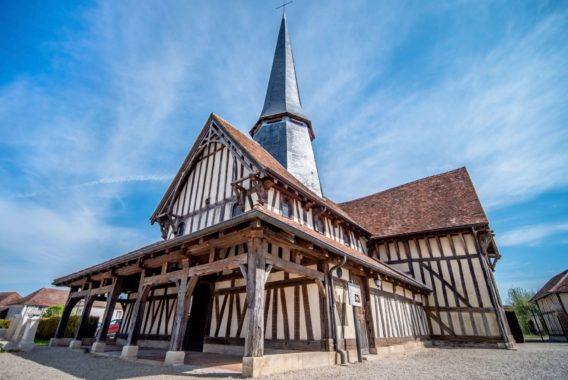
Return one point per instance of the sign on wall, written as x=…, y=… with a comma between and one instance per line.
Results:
x=355, y=298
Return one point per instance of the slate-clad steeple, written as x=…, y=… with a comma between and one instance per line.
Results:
x=283, y=94
x=282, y=128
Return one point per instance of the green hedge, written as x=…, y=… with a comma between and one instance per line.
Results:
x=47, y=326
x=4, y=323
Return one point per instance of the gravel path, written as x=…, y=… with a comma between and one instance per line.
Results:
x=531, y=361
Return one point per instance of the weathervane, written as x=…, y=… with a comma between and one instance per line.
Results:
x=283, y=6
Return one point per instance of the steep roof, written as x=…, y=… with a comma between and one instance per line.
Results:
x=282, y=94
x=44, y=297
x=261, y=158
x=441, y=201
x=7, y=298
x=269, y=163
x=258, y=212
x=557, y=284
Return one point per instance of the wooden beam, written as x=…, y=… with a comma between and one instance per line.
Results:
x=177, y=338
x=256, y=278
x=291, y=267
x=137, y=312
x=229, y=263
x=109, y=309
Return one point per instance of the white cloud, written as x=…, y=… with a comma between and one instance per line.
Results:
x=501, y=114
x=531, y=235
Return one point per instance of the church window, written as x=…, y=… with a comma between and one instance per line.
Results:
x=180, y=229
x=318, y=225
x=286, y=208
x=236, y=210
x=346, y=238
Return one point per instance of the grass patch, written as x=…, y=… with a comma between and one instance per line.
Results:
x=41, y=342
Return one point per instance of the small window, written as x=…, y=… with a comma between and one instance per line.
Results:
x=236, y=210
x=346, y=238
x=180, y=229
x=318, y=225
x=286, y=208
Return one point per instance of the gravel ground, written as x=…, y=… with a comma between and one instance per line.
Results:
x=531, y=361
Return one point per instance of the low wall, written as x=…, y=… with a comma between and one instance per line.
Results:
x=278, y=363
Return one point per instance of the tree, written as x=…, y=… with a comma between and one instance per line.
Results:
x=524, y=308
x=53, y=311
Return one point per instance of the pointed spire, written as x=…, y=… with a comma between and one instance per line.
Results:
x=283, y=95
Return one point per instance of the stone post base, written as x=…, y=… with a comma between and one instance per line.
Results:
x=129, y=352
x=75, y=344
x=98, y=347
x=175, y=357
x=26, y=346
x=53, y=342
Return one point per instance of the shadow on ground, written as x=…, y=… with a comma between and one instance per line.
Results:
x=81, y=364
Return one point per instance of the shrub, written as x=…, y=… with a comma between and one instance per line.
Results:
x=53, y=311
x=4, y=323
x=47, y=326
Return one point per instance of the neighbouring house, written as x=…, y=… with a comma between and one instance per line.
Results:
x=6, y=298
x=98, y=310
x=36, y=303
x=253, y=255
x=552, y=301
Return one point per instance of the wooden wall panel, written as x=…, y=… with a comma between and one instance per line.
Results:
x=206, y=197
x=460, y=304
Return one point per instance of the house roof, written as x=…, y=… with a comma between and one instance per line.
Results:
x=441, y=201
x=270, y=164
x=44, y=297
x=340, y=248
x=7, y=298
x=262, y=159
x=557, y=284
x=267, y=216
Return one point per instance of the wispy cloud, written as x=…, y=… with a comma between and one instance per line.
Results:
x=531, y=235
x=102, y=181
x=391, y=98
x=501, y=112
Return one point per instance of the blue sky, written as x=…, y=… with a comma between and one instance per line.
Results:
x=100, y=102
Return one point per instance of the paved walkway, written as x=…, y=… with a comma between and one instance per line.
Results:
x=531, y=361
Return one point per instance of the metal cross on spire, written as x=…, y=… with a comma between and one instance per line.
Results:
x=283, y=6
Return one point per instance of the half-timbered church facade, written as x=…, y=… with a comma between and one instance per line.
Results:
x=254, y=257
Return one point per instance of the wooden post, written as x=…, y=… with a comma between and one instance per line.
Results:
x=69, y=305
x=137, y=312
x=256, y=278
x=493, y=293
x=109, y=309
x=190, y=288
x=89, y=300
x=177, y=337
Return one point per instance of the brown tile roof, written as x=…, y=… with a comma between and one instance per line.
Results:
x=265, y=159
x=262, y=158
x=7, y=298
x=351, y=253
x=44, y=297
x=441, y=201
x=557, y=284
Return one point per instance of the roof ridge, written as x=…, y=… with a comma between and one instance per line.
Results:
x=559, y=282
x=462, y=168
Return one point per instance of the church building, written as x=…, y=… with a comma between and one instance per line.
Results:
x=255, y=261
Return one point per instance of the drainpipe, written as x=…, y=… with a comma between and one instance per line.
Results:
x=330, y=293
